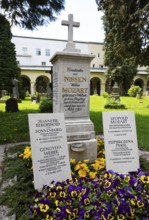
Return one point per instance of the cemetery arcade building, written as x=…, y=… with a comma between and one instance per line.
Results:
x=34, y=54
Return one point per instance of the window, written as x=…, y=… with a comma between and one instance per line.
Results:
x=101, y=66
x=98, y=55
x=18, y=62
x=38, y=51
x=93, y=65
x=43, y=63
x=24, y=50
x=47, y=52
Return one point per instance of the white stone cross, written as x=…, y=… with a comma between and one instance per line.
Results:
x=70, y=23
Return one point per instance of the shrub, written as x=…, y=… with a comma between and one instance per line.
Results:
x=46, y=106
x=22, y=94
x=114, y=104
x=27, y=94
x=104, y=94
x=133, y=91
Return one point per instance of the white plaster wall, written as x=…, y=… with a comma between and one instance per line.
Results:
x=32, y=43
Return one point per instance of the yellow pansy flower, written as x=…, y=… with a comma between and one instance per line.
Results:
x=144, y=179
x=72, y=161
x=43, y=207
x=82, y=173
x=92, y=175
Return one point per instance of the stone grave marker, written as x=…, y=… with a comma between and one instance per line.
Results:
x=15, y=83
x=49, y=147
x=11, y=105
x=121, y=147
x=71, y=92
x=116, y=92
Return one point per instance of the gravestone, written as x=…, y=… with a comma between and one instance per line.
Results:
x=4, y=93
x=50, y=154
x=15, y=83
x=71, y=92
x=11, y=105
x=116, y=92
x=121, y=147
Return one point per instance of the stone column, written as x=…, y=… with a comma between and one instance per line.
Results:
x=33, y=88
x=102, y=89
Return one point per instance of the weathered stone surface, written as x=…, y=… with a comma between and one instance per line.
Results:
x=71, y=92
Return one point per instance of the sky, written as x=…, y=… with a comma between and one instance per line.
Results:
x=84, y=11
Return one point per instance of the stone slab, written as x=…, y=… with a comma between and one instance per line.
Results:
x=120, y=137
x=49, y=146
x=83, y=150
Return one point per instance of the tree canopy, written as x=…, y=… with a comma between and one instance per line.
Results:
x=126, y=24
x=30, y=14
x=8, y=64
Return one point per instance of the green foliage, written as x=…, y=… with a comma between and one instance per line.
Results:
x=18, y=195
x=46, y=106
x=8, y=64
x=104, y=94
x=30, y=14
x=15, y=126
x=144, y=164
x=27, y=94
x=133, y=91
x=126, y=31
x=124, y=76
x=22, y=94
x=114, y=104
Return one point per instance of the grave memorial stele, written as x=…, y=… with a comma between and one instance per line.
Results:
x=120, y=138
x=71, y=92
x=50, y=154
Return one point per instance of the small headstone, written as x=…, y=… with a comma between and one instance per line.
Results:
x=116, y=92
x=11, y=105
x=121, y=147
x=50, y=154
x=4, y=93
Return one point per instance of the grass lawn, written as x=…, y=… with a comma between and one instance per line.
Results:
x=141, y=110
x=14, y=126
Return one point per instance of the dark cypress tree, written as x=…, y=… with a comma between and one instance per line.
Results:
x=8, y=64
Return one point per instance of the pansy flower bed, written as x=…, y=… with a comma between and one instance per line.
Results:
x=109, y=196
x=92, y=193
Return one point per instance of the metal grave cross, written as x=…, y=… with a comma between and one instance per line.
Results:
x=70, y=23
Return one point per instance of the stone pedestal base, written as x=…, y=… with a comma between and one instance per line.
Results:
x=81, y=140
x=83, y=150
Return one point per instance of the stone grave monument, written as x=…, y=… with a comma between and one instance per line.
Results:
x=71, y=91
x=15, y=83
x=116, y=92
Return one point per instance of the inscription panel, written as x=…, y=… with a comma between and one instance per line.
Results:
x=49, y=148
x=121, y=145
x=75, y=92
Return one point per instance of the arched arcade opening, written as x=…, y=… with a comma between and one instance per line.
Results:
x=139, y=82
x=26, y=84
x=95, y=86
x=42, y=85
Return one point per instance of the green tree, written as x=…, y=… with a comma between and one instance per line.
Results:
x=126, y=24
x=124, y=77
x=8, y=64
x=31, y=13
x=27, y=14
